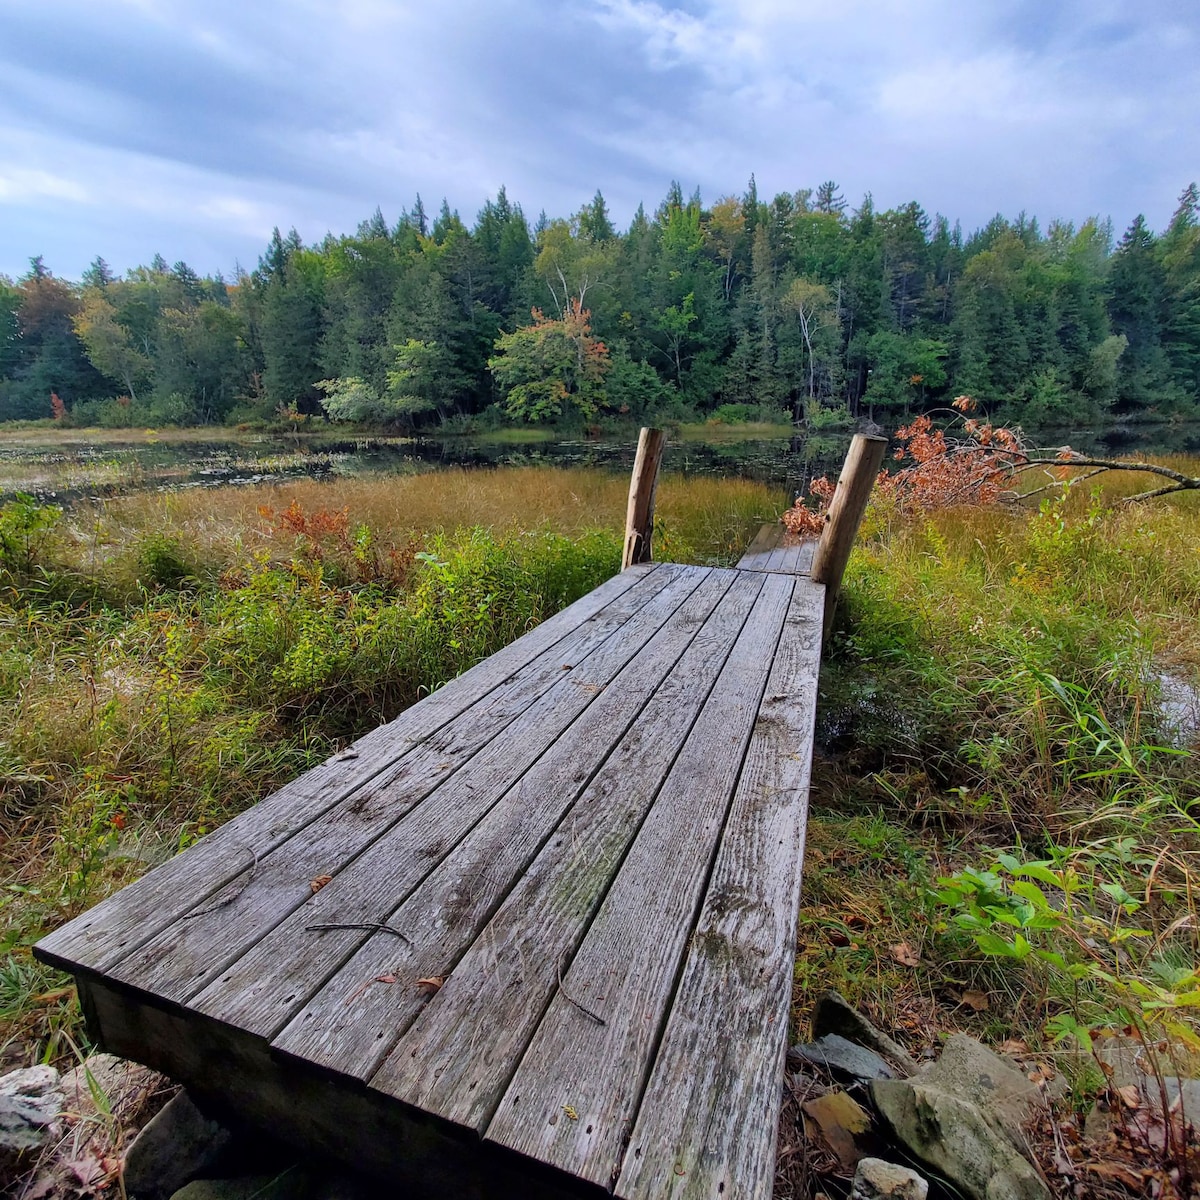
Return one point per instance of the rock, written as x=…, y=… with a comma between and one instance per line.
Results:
x=954, y=1140
x=179, y=1144
x=804, y=1086
x=105, y=1087
x=833, y=1014
x=245, y=1187
x=31, y=1102
x=1183, y=1095
x=297, y=1181
x=1121, y=1059
x=844, y=1058
x=969, y=1070
x=875, y=1179
x=843, y=1124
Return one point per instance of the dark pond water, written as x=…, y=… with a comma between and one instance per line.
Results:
x=64, y=472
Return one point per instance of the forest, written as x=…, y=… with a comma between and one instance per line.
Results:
x=794, y=307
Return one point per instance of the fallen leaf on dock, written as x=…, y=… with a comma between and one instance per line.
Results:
x=905, y=955
x=319, y=882
x=432, y=984
x=385, y=979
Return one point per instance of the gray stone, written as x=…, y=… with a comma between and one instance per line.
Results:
x=952, y=1138
x=31, y=1102
x=845, y=1059
x=969, y=1070
x=1122, y=1059
x=179, y=1144
x=297, y=1181
x=875, y=1179
x=245, y=1187
x=834, y=1014
x=1183, y=1095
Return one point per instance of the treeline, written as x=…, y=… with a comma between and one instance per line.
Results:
x=743, y=307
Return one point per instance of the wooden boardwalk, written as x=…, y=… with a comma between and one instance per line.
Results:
x=535, y=936
x=773, y=550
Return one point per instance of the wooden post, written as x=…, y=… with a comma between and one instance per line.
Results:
x=863, y=460
x=639, y=516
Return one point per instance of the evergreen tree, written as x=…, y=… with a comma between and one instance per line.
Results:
x=1137, y=304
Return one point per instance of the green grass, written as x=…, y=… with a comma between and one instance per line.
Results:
x=997, y=797
x=989, y=715
x=168, y=659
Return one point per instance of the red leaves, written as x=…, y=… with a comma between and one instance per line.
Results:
x=944, y=471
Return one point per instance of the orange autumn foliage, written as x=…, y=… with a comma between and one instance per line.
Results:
x=942, y=470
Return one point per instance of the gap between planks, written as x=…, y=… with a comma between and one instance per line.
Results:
x=105, y=934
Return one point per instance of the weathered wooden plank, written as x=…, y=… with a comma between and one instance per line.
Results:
x=794, y=558
x=759, y=550
x=706, y=1123
x=104, y=934
x=459, y=1055
x=441, y=788
x=307, y=1107
x=777, y=559
x=280, y=975
x=444, y=915
x=626, y=967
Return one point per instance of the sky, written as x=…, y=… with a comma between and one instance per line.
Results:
x=135, y=127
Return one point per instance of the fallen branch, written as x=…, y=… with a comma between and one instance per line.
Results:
x=1179, y=481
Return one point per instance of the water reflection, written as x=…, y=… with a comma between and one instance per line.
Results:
x=69, y=471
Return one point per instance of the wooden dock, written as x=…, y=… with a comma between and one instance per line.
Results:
x=532, y=938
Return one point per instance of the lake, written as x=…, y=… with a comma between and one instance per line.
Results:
x=67, y=467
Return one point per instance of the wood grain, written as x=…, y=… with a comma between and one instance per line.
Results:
x=281, y=973
x=242, y=1080
x=626, y=968
x=759, y=550
x=444, y=915
x=107, y=933
x=718, y=1068
x=593, y=839
x=643, y=483
x=863, y=460
x=396, y=833
x=460, y=1054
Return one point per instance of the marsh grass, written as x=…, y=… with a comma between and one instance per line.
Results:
x=1006, y=832
x=167, y=659
x=990, y=697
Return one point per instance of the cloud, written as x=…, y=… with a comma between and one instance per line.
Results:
x=204, y=126
x=25, y=185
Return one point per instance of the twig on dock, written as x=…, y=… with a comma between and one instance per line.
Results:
x=587, y=1012
x=374, y=926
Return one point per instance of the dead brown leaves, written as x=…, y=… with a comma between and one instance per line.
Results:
x=1143, y=1153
